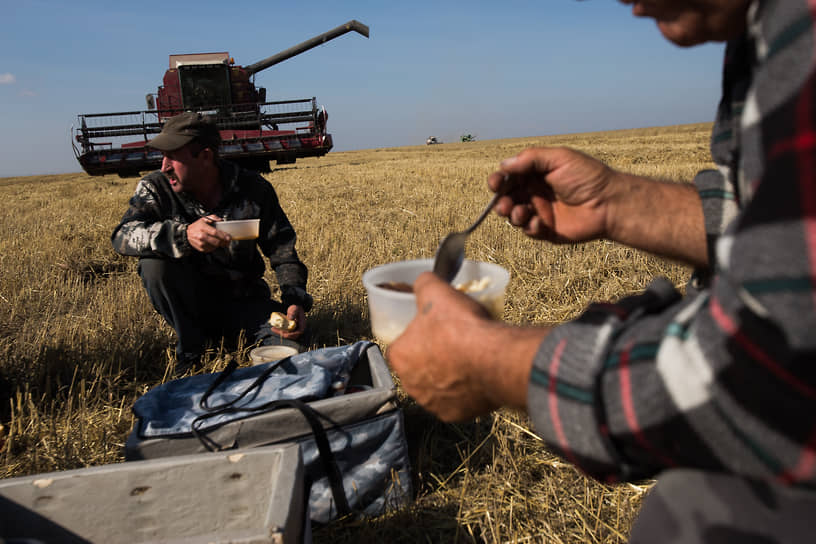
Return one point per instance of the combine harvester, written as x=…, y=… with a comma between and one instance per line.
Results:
x=253, y=131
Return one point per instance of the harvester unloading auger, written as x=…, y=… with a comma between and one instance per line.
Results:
x=253, y=131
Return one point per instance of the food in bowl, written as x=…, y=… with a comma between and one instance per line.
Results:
x=400, y=286
x=471, y=286
x=392, y=309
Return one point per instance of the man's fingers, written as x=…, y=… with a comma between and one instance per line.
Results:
x=424, y=282
x=499, y=182
x=535, y=228
x=218, y=238
x=520, y=215
x=504, y=206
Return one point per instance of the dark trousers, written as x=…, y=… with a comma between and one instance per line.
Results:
x=205, y=310
x=692, y=507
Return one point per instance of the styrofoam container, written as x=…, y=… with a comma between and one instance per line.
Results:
x=242, y=229
x=240, y=496
x=391, y=311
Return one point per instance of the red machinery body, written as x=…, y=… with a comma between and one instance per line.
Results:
x=253, y=131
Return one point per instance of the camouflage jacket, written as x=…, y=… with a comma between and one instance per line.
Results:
x=721, y=378
x=155, y=225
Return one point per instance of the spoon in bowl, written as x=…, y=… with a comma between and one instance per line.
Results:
x=451, y=251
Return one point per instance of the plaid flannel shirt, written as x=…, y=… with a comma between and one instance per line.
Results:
x=155, y=225
x=724, y=378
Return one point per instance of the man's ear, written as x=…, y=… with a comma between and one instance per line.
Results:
x=207, y=154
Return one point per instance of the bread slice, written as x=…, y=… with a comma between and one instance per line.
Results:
x=280, y=321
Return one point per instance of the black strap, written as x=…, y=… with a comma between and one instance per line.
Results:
x=219, y=379
x=312, y=417
x=224, y=374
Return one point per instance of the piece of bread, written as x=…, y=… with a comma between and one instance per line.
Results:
x=280, y=321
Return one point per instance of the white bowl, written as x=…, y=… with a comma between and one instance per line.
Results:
x=391, y=311
x=242, y=229
x=267, y=354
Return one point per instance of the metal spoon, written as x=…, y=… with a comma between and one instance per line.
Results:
x=451, y=251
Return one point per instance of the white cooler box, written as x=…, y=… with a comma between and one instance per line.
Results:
x=244, y=497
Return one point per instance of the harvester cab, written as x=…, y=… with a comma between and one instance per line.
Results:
x=253, y=131
x=195, y=81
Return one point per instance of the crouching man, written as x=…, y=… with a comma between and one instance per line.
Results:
x=207, y=285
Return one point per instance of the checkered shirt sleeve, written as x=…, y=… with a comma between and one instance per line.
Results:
x=723, y=378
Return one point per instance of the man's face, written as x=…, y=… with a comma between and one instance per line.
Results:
x=692, y=22
x=182, y=168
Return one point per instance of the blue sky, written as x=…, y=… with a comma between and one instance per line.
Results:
x=492, y=69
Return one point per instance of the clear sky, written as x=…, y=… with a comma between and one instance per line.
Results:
x=444, y=68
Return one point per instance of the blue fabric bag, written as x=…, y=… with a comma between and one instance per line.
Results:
x=338, y=404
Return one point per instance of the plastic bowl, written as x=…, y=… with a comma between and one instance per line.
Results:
x=391, y=311
x=267, y=354
x=242, y=229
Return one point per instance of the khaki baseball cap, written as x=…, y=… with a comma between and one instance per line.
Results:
x=182, y=129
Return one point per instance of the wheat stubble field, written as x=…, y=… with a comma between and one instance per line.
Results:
x=79, y=341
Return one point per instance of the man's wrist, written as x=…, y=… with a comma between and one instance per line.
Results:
x=297, y=296
x=504, y=360
x=660, y=217
x=182, y=241
x=616, y=201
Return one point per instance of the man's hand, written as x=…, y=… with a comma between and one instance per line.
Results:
x=296, y=314
x=558, y=194
x=562, y=195
x=455, y=361
x=204, y=237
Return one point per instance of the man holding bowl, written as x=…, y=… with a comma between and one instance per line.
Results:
x=713, y=392
x=207, y=285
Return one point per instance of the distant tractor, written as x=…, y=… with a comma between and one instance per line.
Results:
x=432, y=140
x=468, y=138
x=253, y=131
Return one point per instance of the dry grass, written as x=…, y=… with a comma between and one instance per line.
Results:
x=79, y=341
